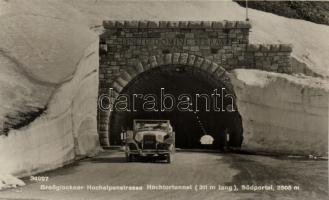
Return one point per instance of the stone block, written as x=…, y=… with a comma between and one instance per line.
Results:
x=189, y=41
x=119, y=24
x=104, y=116
x=232, y=61
x=183, y=58
x=194, y=24
x=206, y=24
x=153, y=24
x=220, y=72
x=259, y=54
x=285, y=47
x=132, y=71
x=204, y=47
x=154, y=35
x=103, y=127
x=107, y=76
x=191, y=60
x=131, y=24
x=175, y=58
x=229, y=55
x=275, y=47
x=170, y=35
x=173, y=24
x=240, y=58
x=163, y=24
x=146, y=66
x=153, y=61
x=168, y=59
x=189, y=35
x=274, y=67
x=283, y=54
x=252, y=47
x=213, y=67
x=243, y=24
x=206, y=64
x=218, y=25
x=287, y=69
x=160, y=60
x=121, y=81
x=142, y=24
x=212, y=34
x=276, y=58
x=265, y=48
x=139, y=67
x=109, y=24
x=198, y=62
x=125, y=75
x=116, y=87
x=280, y=69
x=230, y=24
x=195, y=48
x=183, y=24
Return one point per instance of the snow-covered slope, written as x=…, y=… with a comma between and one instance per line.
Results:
x=33, y=32
x=39, y=49
x=48, y=59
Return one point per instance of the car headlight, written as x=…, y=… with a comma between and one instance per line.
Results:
x=159, y=138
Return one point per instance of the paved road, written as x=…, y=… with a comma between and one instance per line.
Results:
x=189, y=168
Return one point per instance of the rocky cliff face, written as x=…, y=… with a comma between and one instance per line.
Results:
x=48, y=86
x=282, y=113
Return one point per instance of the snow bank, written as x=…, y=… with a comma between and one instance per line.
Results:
x=67, y=130
x=282, y=113
x=9, y=181
x=49, y=58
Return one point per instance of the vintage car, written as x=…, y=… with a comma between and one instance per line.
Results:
x=150, y=138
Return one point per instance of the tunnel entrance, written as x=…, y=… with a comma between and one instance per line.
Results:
x=193, y=89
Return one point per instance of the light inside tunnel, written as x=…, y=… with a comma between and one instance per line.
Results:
x=206, y=140
x=192, y=89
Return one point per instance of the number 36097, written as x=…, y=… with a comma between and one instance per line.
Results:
x=39, y=178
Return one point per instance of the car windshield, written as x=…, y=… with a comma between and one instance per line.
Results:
x=149, y=126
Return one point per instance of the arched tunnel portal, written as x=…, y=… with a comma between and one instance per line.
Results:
x=196, y=102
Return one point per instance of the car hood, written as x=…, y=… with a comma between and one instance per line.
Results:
x=159, y=135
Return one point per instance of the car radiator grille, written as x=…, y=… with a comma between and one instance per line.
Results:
x=149, y=142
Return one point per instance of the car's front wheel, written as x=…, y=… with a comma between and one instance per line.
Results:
x=129, y=157
x=169, y=158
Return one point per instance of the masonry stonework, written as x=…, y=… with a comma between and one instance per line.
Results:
x=128, y=48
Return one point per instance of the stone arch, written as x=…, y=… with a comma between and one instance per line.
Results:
x=136, y=67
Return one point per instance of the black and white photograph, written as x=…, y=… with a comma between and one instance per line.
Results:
x=164, y=99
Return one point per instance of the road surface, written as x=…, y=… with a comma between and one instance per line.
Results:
x=192, y=175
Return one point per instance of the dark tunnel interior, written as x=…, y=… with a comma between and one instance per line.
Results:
x=187, y=124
